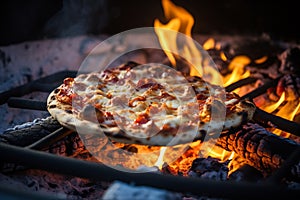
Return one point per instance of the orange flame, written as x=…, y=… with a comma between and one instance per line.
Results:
x=287, y=111
x=284, y=108
x=237, y=66
x=209, y=44
x=182, y=21
x=272, y=107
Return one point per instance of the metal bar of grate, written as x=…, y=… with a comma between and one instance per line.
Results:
x=261, y=90
x=263, y=117
x=16, y=102
x=50, y=139
x=97, y=171
x=36, y=85
x=240, y=83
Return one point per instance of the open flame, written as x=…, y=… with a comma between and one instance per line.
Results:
x=182, y=21
x=284, y=108
x=236, y=66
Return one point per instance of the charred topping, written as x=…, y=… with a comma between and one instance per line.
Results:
x=148, y=83
x=142, y=119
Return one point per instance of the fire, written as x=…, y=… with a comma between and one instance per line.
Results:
x=261, y=60
x=284, y=108
x=182, y=164
x=209, y=44
x=237, y=66
x=180, y=20
x=160, y=160
x=272, y=107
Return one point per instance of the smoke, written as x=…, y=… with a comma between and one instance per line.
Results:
x=78, y=17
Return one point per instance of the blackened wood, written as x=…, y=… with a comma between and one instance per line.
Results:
x=282, y=172
x=28, y=135
x=97, y=171
x=259, y=147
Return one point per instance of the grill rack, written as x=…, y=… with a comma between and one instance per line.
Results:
x=42, y=160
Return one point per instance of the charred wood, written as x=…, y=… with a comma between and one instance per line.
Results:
x=27, y=134
x=260, y=148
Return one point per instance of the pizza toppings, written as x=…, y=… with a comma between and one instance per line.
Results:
x=147, y=105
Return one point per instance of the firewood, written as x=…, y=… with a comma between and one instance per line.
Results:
x=29, y=133
x=260, y=148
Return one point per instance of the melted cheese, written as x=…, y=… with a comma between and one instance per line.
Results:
x=169, y=96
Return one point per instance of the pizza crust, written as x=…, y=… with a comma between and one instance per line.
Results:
x=63, y=113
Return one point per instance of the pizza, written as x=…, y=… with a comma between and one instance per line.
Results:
x=146, y=104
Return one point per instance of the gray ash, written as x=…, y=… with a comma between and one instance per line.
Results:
x=210, y=168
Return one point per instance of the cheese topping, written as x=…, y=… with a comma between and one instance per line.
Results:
x=150, y=104
x=146, y=99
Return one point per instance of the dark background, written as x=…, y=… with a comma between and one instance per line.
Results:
x=34, y=19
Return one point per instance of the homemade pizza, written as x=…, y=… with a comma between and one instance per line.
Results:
x=146, y=104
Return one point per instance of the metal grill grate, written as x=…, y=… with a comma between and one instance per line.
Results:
x=39, y=136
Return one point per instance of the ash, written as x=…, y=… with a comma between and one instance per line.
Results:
x=209, y=168
x=54, y=185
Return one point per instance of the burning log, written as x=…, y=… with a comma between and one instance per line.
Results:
x=260, y=148
x=28, y=133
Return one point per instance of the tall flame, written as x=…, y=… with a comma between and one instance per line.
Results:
x=181, y=21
